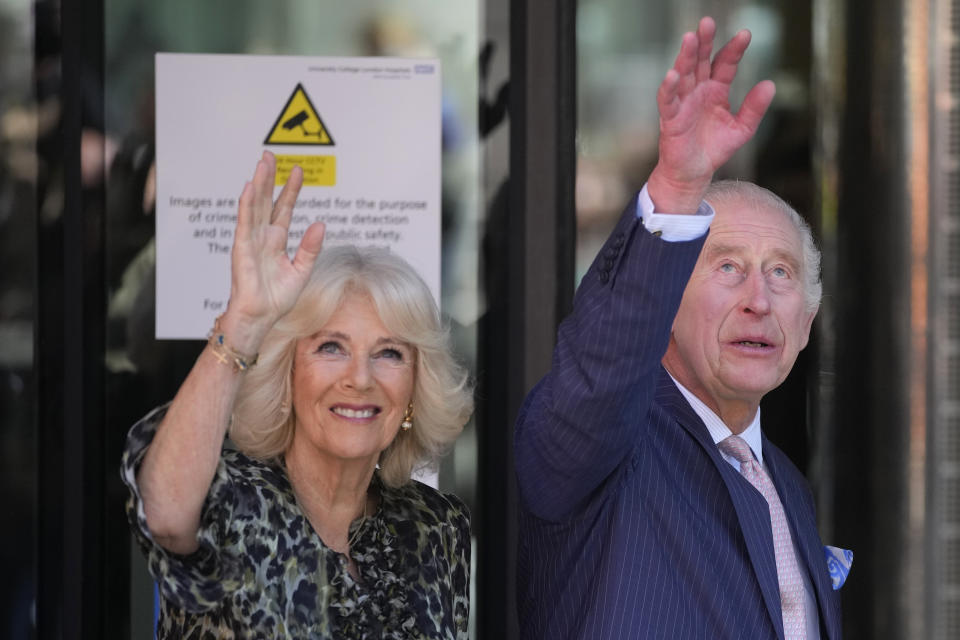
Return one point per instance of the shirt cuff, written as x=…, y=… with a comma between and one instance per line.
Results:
x=673, y=227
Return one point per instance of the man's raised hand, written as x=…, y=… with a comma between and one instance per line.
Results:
x=698, y=130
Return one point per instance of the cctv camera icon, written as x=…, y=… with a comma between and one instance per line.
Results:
x=297, y=121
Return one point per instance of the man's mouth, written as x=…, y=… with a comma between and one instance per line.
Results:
x=751, y=343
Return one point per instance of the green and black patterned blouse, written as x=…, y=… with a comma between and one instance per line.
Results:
x=262, y=572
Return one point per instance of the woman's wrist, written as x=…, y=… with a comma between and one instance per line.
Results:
x=242, y=334
x=226, y=353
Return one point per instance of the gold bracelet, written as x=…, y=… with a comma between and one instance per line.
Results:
x=224, y=353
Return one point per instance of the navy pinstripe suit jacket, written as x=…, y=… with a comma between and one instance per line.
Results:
x=632, y=524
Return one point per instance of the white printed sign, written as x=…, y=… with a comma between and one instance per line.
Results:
x=366, y=132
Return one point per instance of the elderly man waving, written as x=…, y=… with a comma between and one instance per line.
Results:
x=652, y=504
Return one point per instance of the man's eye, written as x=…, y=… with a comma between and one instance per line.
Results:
x=780, y=272
x=728, y=267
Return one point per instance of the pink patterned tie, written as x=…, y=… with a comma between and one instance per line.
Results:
x=788, y=573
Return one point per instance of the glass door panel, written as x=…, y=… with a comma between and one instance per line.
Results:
x=144, y=372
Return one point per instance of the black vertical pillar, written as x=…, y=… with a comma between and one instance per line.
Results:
x=70, y=324
x=529, y=272
x=871, y=415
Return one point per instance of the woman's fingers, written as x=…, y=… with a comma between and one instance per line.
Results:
x=245, y=211
x=309, y=248
x=256, y=199
x=256, y=207
x=283, y=209
x=263, y=183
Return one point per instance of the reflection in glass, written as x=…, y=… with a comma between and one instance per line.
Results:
x=23, y=123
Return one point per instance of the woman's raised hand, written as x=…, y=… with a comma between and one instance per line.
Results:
x=265, y=282
x=180, y=464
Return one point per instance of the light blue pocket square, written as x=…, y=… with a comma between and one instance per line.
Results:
x=838, y=564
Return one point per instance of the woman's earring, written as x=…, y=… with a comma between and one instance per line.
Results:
x=407, y=423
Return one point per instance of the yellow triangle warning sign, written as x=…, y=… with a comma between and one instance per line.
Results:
x=299, y=123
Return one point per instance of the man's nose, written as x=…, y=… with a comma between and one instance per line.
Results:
x=756, y=294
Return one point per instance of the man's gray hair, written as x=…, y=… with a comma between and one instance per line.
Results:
x=732, y=192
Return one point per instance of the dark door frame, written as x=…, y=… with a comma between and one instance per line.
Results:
x=75, y=559
x=534, y=288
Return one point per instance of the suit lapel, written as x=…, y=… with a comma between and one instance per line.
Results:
x=751, y=507
x=804, y=530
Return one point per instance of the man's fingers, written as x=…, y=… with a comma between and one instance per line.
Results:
x=283, y=209
x=667, y=101
x=728, y=58
x=687, y=56
x=705, y=32
x=755, y=105
x=309, y=247
x=685, y=64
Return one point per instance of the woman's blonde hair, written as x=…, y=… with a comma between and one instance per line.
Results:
x=263, y=420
